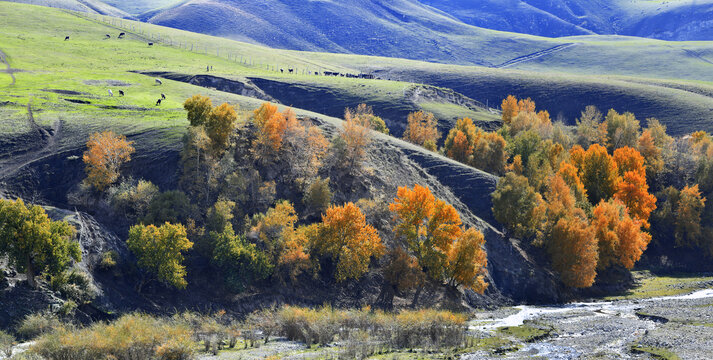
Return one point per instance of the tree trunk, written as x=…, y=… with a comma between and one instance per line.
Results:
x=415, y=297
x=30, y=271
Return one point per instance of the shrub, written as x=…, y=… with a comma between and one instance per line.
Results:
x=7, y=341
x=132, y=199
x=108, y=260
x=132, y=336
x=241, y=263
x=74, y=285
x=37, y=324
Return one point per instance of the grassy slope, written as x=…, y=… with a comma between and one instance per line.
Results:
x=684, y=105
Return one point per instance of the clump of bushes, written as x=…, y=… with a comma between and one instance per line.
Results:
x=37, y=324
x=74, y=285
x=7, y=341
x=134, y=336
x=407, y=329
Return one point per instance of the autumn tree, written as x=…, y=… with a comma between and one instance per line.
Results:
x=198, y=108
x=403, y=271
x=591, y=128
x=620, y=238
x=489, y=152
x=518, y=206
x=632, y=189
x=510, y=109
x=652, y=154
x=32, y=242
x=304, y=149
x=460, y=140
x=422, y=129
x=689, y=231
x=366, y=115
x=467, y=261
x=159, y=251
x=346, y=238
x=573, y=250
x=432, y=229
x=356, y=137
x=622, y=130
x=295, y=258
x=599, y=173
x=105, y=154
x=197, y=163
x=271, y=128
x=318, y=196
x=221, y=122
x=273, y=228
x=570, y=175
x=240, y=262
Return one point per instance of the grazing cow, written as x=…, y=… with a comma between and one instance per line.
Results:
x=158, y=102
x=111, y=93
x=121, y=36
x=66, y=38
x=282, y=70
x=291, y=70
x=163, y=96
x=121, y=92
x=108, y=36
x=150, y=44
x=159, y=82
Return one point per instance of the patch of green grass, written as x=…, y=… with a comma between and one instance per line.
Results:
x=525, y=332
x=649, y=285
x=656, y=352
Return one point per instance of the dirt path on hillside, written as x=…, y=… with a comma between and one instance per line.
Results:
x=10, y=71
x=535, y=55
x=15, y=163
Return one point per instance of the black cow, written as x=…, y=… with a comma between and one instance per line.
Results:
x=150, y=44
x=121, y=36
x=121, y=92
x=158, y=102
x=163, y=96
x=291, y=70
x=108, y=36
x=66, y=38
x=282, y=70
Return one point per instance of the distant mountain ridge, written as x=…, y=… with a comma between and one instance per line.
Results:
x=667, y=20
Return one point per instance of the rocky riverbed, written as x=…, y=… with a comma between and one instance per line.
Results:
x=663, y=327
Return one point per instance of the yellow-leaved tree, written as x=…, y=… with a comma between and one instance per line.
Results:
x=346, y=238
x=159, y=251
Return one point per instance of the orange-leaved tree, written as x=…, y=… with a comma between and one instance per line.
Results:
x=573, y=249
x=346, y=238
x=432, y=228
x=633, y=190
x=105, y=154
x=271, y=127
x=621, y=240
x=460, y=140
x=422, y=130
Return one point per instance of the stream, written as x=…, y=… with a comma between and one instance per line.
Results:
x=608, y=329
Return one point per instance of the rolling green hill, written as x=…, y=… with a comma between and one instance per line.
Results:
x=670, y=20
